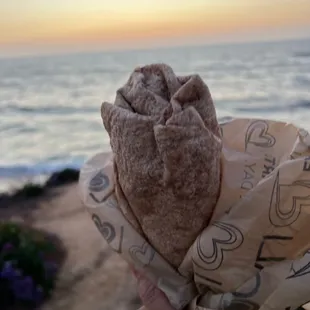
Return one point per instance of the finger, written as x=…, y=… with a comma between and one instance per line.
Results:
x=152, y=297
x=138, y=275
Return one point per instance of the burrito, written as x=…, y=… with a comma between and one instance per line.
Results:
x=166, y=143
x=216, y=215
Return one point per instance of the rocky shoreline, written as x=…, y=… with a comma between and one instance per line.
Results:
x=32, y=190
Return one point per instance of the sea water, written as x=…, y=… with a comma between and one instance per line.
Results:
x=50, y=106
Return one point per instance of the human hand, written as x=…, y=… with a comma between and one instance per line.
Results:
x=152, y=297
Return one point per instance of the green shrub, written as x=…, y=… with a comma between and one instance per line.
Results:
x=27, y=266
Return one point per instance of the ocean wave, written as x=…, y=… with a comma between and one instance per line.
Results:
x=257, y=109
x=29, y=171
x=13, y=107
x=302, y=80
x=302, y=104
x=305, y=54
x=285, y=107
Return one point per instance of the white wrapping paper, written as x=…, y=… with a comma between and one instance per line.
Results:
x=254, y=253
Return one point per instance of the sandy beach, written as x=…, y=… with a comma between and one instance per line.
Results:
x=91, y=277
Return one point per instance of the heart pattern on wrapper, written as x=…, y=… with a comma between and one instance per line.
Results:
x=109, y=233
x=258, y=135
x=99, y=182
x=143, y=254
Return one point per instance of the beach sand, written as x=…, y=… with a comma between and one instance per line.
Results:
x=92, y=276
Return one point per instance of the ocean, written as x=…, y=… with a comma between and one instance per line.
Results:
x=50, y=106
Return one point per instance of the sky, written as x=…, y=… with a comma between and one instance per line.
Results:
x=39, y=26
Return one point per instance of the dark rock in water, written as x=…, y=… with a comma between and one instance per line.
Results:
x=4, y=198
x=30, y=190
x=63, y=177
x=302, y=104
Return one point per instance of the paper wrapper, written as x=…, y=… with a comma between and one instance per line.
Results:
x=255, y=252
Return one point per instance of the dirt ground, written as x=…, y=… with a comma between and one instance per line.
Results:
x=91, y=277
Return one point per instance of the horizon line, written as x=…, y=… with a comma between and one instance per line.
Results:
x=122, y=49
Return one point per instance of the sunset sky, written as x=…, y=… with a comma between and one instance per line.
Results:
x=35, y=26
